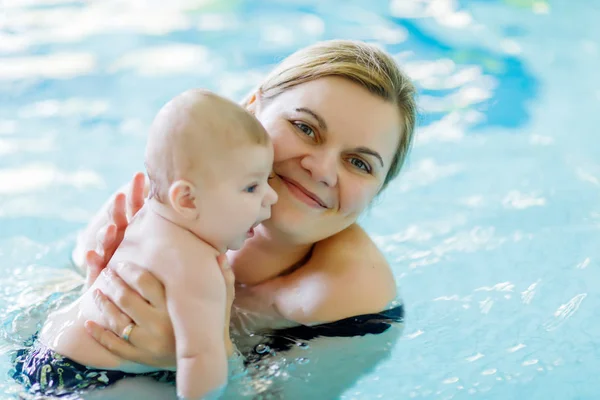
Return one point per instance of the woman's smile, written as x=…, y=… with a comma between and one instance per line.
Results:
x=303, y=194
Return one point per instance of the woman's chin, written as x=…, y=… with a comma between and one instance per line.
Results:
x=286, y=225
x=286, y=214
x=304, y=227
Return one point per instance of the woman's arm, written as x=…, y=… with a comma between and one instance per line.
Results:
x=346, y=276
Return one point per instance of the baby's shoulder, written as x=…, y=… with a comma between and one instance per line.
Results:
x=184, y=254
x=186, y=266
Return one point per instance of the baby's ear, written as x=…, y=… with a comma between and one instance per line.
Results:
x=182, y=196
x=254, y=102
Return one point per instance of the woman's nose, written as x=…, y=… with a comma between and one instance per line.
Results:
x=322, y=166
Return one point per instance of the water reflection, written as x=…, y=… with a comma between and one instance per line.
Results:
x=492, y=230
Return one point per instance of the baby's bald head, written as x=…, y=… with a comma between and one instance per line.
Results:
x=192, y=133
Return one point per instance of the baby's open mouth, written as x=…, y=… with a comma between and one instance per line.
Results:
x=250, y=232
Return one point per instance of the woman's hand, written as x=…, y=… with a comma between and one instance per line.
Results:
x=134, y=295
x=108, y=238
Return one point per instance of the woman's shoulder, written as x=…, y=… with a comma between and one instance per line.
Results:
x=353, y=251
x=347, y=275
x=349, y=238
x=356, y=254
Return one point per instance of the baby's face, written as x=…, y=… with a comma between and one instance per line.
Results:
x=239, y=199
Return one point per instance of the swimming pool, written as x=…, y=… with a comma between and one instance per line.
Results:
x=493, y=230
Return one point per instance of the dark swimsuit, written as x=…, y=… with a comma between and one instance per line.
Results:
x=367, y=324
x=41, y=370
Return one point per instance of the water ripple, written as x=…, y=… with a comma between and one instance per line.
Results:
x=35, y=177
x=168, y=60
x=564, y=312
x=53, y=66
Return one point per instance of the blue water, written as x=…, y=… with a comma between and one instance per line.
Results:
x=493, y=230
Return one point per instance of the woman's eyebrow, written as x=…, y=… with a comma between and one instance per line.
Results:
x=366, y=150
x=323, y=125
x=316, y=116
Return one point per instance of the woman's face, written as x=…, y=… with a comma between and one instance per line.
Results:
x=334, y=142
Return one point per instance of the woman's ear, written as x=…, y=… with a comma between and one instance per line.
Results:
x=182, y=196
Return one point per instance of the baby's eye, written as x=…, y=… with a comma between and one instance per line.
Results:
x=252, y=188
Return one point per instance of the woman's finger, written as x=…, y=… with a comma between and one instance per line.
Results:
x=143, y=282
x=105, y=239
x=126, y=300
x=94, y=260
x=229, y=278
x=137, y=189
x=226, y=269
x=113, y=343
x=96, y=264
x=126, y=350
x=116, y=320
x=117, y=212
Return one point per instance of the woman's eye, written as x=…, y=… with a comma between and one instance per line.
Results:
x=307, y=130
x=360, y=164
x=251, y=188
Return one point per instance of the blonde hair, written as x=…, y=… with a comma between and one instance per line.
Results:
x=359, y=62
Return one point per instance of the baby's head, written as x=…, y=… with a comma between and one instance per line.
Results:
x=208, y=160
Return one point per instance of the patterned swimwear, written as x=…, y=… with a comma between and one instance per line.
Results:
x=43, y=371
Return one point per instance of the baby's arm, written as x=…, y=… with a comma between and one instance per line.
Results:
x=196, y=297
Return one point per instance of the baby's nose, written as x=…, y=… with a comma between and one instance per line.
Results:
x=270, y=197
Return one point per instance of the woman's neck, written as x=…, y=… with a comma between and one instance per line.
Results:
x=265, y=257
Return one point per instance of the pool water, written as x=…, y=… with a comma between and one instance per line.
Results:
x=493, y=229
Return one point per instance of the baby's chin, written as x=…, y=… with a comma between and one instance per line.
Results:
x=239, y=243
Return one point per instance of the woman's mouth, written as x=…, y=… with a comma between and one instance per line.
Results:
x=303, y=194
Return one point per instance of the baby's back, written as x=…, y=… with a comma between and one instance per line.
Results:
x=149, y=241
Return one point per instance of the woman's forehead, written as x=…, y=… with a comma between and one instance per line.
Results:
x=350, y=112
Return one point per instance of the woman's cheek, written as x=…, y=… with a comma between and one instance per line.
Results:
x=284, y=146
x=355, y=197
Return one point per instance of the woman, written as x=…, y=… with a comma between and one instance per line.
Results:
x=341, y=116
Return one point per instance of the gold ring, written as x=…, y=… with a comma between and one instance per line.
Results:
x=127, y=332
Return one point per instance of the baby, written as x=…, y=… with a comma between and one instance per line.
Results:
x=208, y=161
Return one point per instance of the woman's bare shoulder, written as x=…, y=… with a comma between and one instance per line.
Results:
x=354, y=252
x=346, y=276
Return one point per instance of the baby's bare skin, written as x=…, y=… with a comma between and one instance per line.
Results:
x=208, y=161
